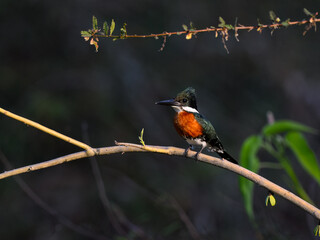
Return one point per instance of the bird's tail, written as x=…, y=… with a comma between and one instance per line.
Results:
x=227, y=156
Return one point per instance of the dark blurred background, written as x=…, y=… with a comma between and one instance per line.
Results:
x=49, y=74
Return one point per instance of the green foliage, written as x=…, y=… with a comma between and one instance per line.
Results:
x=112, y=27
x=223, y=24
x=192, y=28
x=189, y=30
x=94, y=23
x=85, y=34
x=286, y=166
x=123, y=31
x=105, y=28
x=185, y=27
x=249, y=160
x=286, y=23
x=307, y=12
x=285, y=126
x=306, y=157
x=277, y=139
x=316, y=230
x=272, y=15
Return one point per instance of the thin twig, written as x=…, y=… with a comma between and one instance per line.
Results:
x=130, y=147
x=184, y=218
x=163, y=43
x=166, y=199
x=312, y=21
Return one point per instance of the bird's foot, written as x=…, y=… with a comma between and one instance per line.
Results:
x=187, y=151
x=196, y=156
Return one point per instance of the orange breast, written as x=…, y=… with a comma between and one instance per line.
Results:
x=186, y=125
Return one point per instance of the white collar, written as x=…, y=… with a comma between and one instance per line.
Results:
x=185, y=108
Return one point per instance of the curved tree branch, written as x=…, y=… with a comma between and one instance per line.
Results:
x=130, y=147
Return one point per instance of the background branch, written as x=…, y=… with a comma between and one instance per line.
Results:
x=116, y=217
x=50, y=210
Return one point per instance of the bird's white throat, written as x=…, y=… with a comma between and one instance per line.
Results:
x=185, y=108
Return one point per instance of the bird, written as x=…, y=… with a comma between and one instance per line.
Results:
x=194, y=127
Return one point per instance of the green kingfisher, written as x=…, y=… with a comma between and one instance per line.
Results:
x=192, y=126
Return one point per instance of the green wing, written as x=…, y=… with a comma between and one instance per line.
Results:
x=207, y=127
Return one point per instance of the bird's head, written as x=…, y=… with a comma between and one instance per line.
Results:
x=184, y=101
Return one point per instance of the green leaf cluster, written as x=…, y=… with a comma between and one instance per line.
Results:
x=278, y=139
x=123, y=31
x=223, y=24
x=186, y=28
x=106, y=30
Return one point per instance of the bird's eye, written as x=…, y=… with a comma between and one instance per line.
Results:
x=184, y=100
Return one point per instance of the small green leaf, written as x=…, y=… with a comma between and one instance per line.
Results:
x=191, y=26
x=249, y=150
x=272, y=15
x=113, y=25
x=249, y=160
x=222, y=22
x=286, y=23
x=229, y=26
x=185, y=27
x=105, y=28
x=316, y=230
x=85, y=34
x=286, y=165
x=304, y=154
x=94, y=23
x=307, y=12
x=286, y=126
x=141, y=137
x=123, y=31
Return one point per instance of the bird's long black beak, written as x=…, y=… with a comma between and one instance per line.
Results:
x=170, y=102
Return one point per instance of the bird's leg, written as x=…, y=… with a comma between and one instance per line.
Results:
x=187, y=150
x=196, y=156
